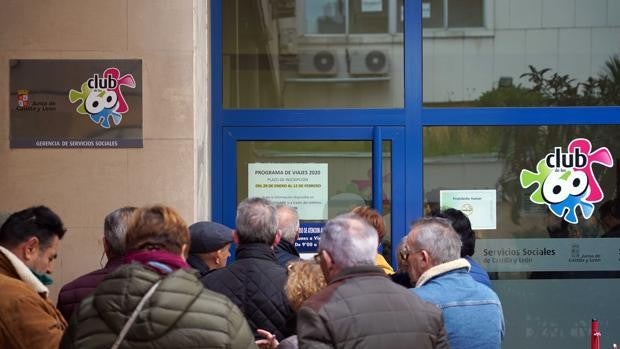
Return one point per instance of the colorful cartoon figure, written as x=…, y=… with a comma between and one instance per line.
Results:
x=563, y=189
x=101, y=104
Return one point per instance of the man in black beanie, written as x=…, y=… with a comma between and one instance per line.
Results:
x=209, y=246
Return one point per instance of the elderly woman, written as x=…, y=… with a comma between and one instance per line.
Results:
x=156, y=300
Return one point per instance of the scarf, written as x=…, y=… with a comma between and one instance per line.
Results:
x=163, y=262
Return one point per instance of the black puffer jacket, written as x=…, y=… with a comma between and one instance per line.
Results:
x=362, y=308
x=255, y=283
x=180, y=314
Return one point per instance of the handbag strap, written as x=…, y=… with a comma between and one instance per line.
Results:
x=134, y=316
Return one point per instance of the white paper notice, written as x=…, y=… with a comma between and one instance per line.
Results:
x=426, y=10
x=479, y=206
x=372, y=5
x=299, y=185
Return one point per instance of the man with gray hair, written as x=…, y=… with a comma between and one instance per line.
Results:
x=472, y=312
x=114, y=229
x=361, y=307
x=288, y=224
x=255, y=281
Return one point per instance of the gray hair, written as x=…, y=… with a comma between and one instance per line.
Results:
x=115, y=229
x=438, y=238
x=350, y=241
x=288, y=222
x=257, y=221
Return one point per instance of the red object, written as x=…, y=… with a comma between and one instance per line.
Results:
x=595, y=338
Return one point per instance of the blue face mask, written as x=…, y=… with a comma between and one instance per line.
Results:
x=43, y=277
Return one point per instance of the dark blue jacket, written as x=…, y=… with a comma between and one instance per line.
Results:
x=255, y=283
x=286, y=253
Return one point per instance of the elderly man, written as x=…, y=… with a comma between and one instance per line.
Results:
x=209, y=246
x=114, y=229
x=472, y=312
x=255, y=281
x=360, y=307
x=288, y=224
x=29, y=242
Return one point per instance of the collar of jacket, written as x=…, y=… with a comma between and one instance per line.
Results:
x=197, y=263
x=114, y=263
x=20, y=271
x=443, y=268
x=360, y=270
x=288, y=247
x=255, y=250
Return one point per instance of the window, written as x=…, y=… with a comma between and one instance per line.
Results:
x=351, y=16
x=453, y=14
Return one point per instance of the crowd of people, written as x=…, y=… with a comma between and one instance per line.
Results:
x=168, y=285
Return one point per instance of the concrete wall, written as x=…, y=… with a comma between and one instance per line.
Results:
x=83, y=185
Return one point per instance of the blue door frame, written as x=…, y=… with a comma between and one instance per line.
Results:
x=375, y=134
x=233, y=124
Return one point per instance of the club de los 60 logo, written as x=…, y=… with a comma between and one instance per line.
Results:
x=101, y=97
x=566, y=179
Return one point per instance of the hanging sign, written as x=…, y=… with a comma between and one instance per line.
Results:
x=75, y=103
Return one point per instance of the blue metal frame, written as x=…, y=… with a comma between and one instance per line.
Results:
x=229, y=125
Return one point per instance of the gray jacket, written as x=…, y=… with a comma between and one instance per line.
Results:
x=363, y=308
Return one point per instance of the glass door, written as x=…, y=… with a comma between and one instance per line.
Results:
x=322, y=172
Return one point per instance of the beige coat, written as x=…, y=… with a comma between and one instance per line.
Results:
x=27, y=318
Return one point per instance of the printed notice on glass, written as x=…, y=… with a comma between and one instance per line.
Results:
x=372, y=5
x=299, y=185
x=479, y=206
x=426, y=10
x=526, y=255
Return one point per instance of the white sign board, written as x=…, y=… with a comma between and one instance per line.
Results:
x=372, y=5
x=426, y=10
x=478, y=205
x=299, y=185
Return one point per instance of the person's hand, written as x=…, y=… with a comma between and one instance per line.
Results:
x=269, y=342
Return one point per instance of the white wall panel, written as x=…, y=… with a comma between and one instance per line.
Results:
x=478, y=67
x=525, y=13
x=541, y=48
x=509, y=54
x=448, y=70
x=591, y=13
x=605, y=43
x=558, y=13
x=613, y=12
x=502, y=14
x=574, y=53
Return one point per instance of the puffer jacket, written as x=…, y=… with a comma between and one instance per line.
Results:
x=180, y=314
x=255, y=283
x=72, y=294
x=362, y=308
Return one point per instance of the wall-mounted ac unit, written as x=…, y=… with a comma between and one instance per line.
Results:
x=368, y=62
x=318, y=63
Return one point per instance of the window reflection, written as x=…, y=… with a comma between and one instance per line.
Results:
x=313, y=54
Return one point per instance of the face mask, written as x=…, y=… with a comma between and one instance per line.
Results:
x=44, y=278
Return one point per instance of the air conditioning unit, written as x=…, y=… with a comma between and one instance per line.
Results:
x=318, y=63
x=368, y=62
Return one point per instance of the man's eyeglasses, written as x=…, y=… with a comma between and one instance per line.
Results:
x=405, y=253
